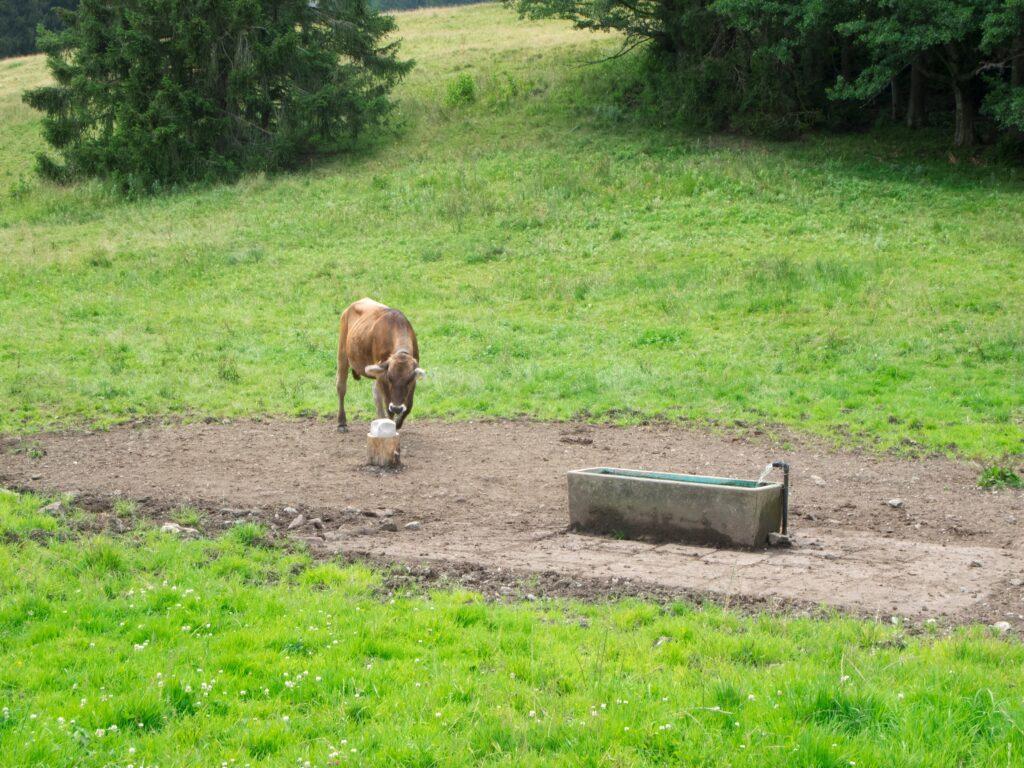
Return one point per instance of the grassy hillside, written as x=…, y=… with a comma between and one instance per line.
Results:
x=556, y=258
x=145, y=650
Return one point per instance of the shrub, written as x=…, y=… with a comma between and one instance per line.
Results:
x=156, y=92
x=461, y=90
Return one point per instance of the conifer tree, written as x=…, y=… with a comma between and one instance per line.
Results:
x=151, y=93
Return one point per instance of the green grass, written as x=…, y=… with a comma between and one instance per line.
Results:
x=557, y=259
x=149, y=650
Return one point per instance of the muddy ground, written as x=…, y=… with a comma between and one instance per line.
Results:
x=490, y=500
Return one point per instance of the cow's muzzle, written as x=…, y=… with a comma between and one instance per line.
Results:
x=396, y=410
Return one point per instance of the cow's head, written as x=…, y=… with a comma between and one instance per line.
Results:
x=397, y=377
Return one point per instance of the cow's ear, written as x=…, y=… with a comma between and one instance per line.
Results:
x=420, y=373
x=376, y=370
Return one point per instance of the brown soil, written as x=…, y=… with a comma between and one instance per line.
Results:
x=490, y=497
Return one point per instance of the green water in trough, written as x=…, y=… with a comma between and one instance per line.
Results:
x=680, y=478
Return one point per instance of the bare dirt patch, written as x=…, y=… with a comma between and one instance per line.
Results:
x=490, y=497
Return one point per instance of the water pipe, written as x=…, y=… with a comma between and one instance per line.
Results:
x=785, y=492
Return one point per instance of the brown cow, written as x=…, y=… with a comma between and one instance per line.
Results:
x=378, y=342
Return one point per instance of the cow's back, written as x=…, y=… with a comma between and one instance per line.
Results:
x=373, y=331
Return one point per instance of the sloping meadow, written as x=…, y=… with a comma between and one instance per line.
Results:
x=557, y=258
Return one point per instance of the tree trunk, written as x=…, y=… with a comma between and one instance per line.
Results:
x=964, y=133
x=846, y=61
x=894, y=90
x=1017, y=67
x=915, y=102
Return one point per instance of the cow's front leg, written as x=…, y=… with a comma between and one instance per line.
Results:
x=379, y=400
x=404, y=414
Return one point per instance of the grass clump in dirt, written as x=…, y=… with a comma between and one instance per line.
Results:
x=189, y=516
x=999, y=477
x=152, y=650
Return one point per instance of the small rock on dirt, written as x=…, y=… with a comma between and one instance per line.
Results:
x=317, y=523
x=297, y=522
x=1002, y=626
x=415, y=525
x=776, y=539
x=36, y=476
x=974, y=564
x=388, y=526
x=895, y=503
x=290, y=511
x=577, y=439
x=817, y=480
x=51, y=509
x=1017, y=582
x=179, y=530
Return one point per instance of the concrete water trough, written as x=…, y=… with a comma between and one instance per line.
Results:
x=671, y=507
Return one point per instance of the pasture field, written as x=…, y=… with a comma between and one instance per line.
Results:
x=146, y=650
x=558, y=259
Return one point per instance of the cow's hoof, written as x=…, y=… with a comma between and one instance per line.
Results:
x=342, y=428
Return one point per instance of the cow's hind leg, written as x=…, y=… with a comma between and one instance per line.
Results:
x=341, y=384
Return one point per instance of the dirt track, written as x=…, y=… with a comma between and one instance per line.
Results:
x=491, y=496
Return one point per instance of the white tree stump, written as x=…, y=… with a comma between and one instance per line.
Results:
x=383, y=451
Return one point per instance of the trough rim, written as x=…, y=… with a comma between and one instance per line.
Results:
x=595, y=472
